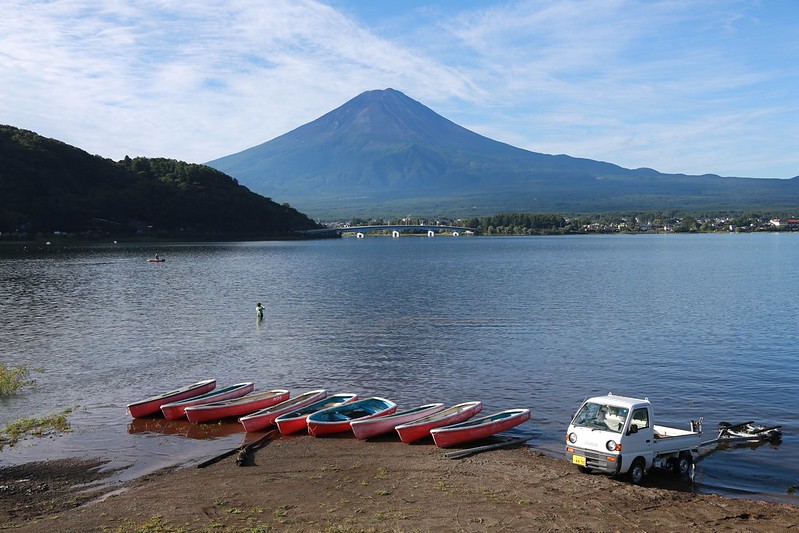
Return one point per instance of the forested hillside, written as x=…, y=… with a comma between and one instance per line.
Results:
x=48, y=186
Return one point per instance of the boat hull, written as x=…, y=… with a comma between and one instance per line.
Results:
x=266, y=417
x=292, y=425
x=337, y=419
x=419, y=429
x=175, y=410
x=480, y=428
x=152, y=405
x=295, y=421
x=373, y=427
x=244, y=405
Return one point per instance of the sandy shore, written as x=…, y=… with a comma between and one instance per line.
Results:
x=344, y=485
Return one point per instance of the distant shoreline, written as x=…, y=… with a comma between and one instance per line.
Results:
x=55, y=241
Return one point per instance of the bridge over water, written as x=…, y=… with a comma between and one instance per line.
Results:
x=395, y=229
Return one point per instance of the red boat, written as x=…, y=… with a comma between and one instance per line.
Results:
x=153, y=404
x=372, y=427
x=296, y=420
x=337, y=419
x=479, y=428
x=266, y=417
x=175, y=410
x=236, y=407
x=419, y=429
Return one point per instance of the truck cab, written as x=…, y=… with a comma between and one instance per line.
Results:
x=617, y=435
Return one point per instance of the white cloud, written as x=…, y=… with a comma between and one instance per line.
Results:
x=194, y=82
x=635, y=83
x=675, y=85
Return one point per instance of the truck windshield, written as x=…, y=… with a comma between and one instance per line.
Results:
x=601, y=416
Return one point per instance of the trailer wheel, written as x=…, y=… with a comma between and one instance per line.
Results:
x=683, y=464
x=637, y=470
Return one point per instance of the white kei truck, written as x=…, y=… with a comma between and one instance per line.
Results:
x=617, y=435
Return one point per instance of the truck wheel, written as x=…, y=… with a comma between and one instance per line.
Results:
x=636, y=472
x=683, y=464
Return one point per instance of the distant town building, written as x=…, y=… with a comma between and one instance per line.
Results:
x=789, y=223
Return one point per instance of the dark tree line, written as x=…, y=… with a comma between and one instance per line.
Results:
x=48, y=186
x=518, y=224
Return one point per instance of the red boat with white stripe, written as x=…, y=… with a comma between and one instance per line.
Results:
x=175, y=410
x=419, y=429
x=244, y=405
x=266, y=417
x=373, y=427
x=479, y=428
x=152, y=405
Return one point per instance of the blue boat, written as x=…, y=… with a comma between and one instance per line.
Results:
x=297, y=420
x=337, y=419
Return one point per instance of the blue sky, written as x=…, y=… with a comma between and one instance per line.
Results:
x=687, y=86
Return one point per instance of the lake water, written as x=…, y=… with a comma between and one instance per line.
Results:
x=702, y=325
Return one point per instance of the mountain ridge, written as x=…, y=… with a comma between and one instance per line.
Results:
x=383, y=153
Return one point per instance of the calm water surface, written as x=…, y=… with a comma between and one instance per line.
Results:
x=703, y=325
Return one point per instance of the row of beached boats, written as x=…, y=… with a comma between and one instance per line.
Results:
x=319, y=413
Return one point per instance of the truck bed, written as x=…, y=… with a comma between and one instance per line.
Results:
x=669, y=440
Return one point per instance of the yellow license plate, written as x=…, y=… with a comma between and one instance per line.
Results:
x=578, y=460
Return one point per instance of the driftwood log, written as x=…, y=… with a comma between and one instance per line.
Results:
x=244, y=452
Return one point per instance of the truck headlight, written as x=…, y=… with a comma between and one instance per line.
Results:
x=611, y=445
x=572, y=437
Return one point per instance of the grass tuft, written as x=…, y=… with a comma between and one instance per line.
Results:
x=46, y=425
x=14, y=378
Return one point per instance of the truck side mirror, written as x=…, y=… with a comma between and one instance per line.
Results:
x=633, y=429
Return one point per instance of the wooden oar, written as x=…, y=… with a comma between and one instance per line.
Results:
x=471, y=451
